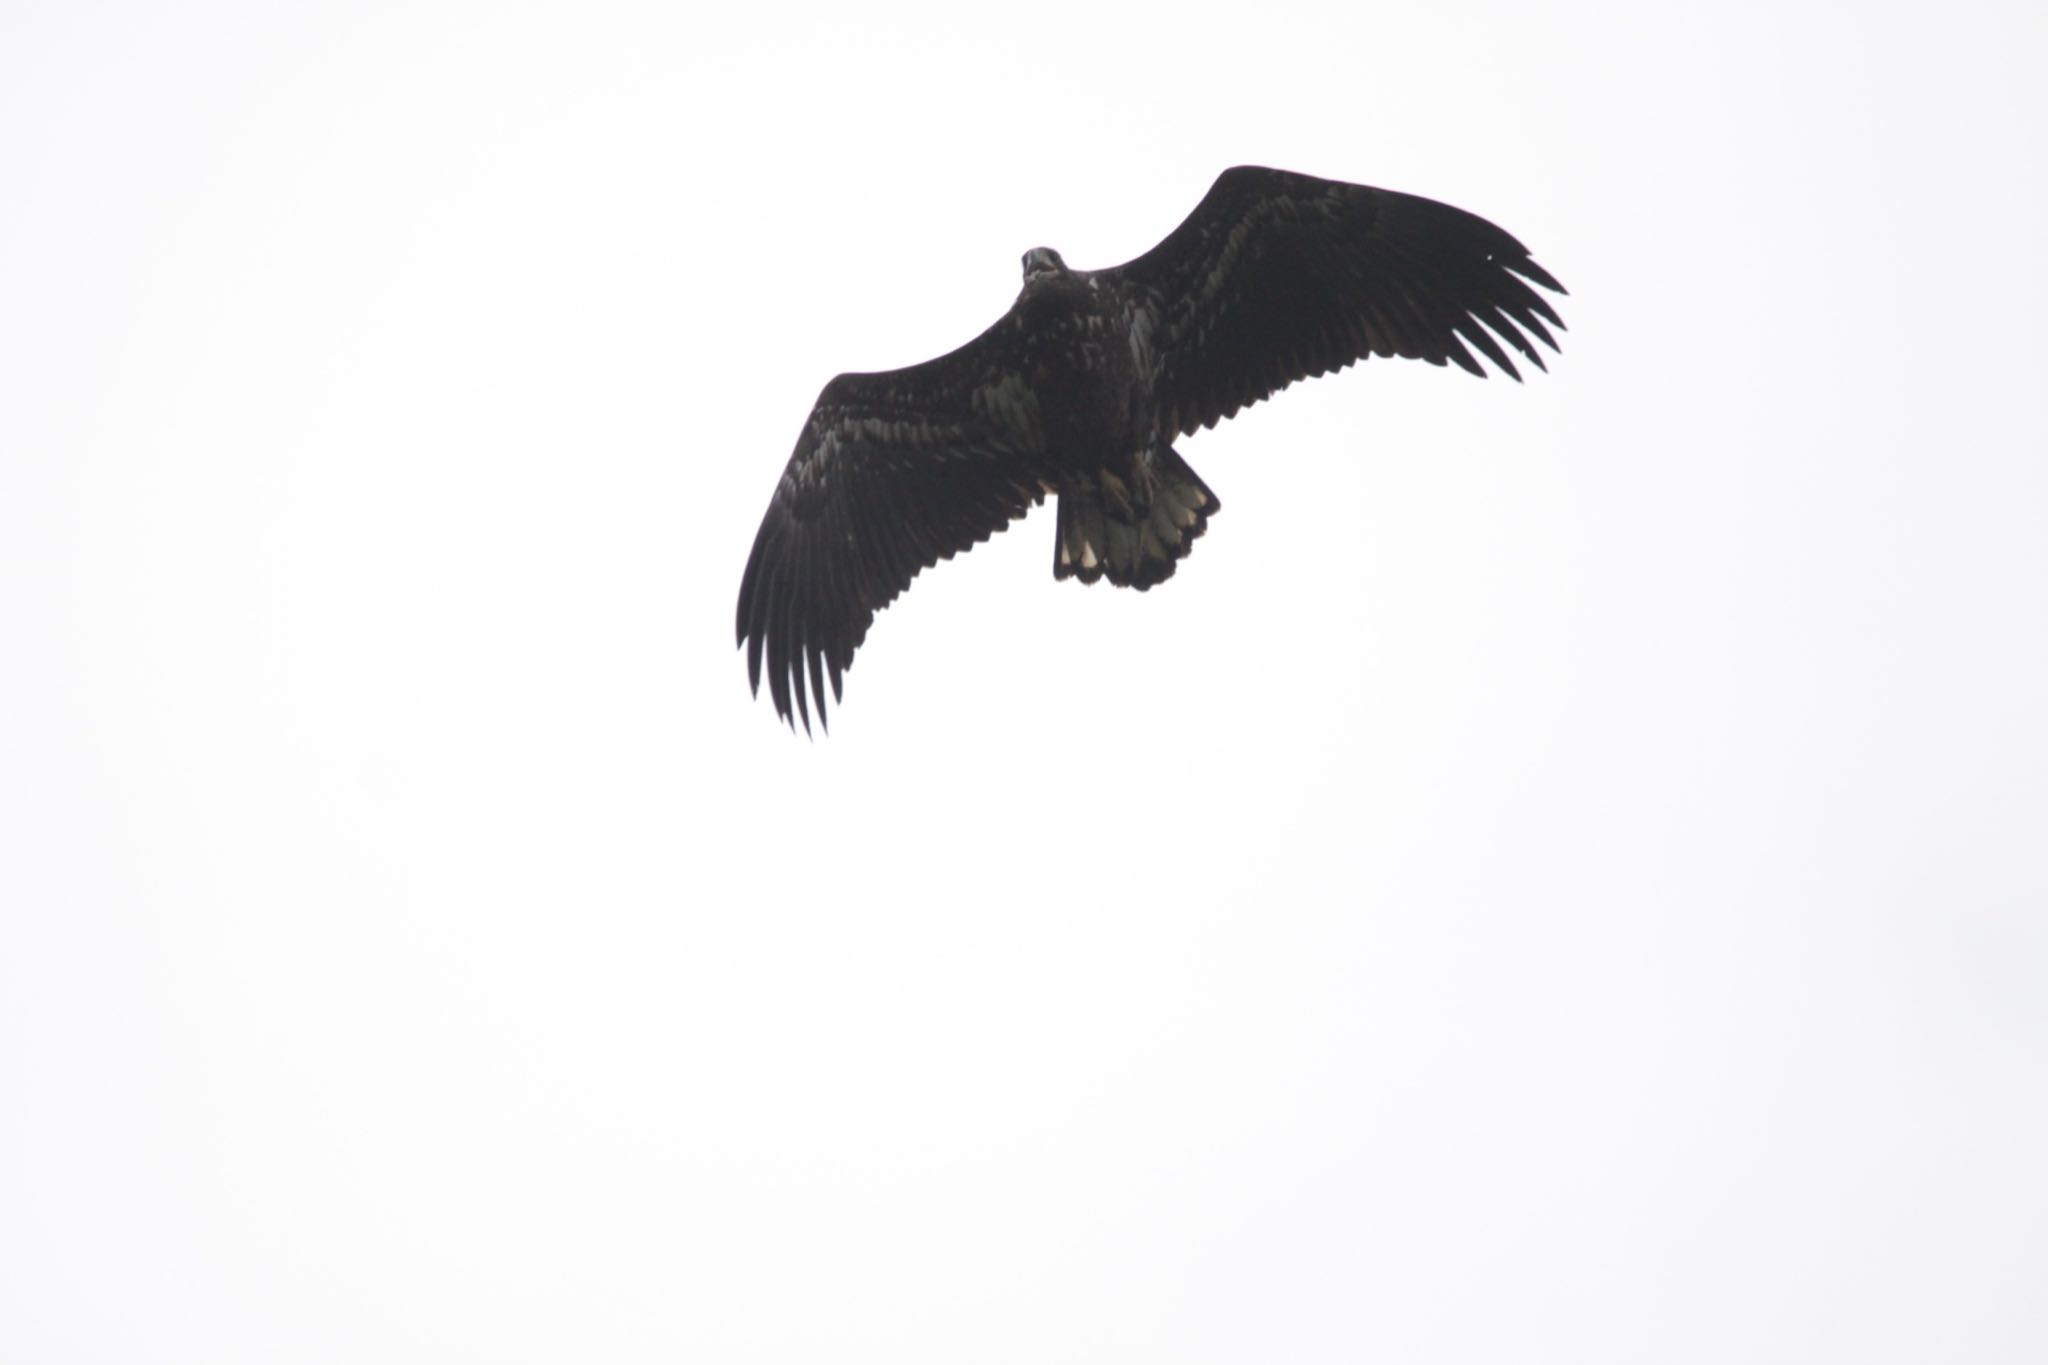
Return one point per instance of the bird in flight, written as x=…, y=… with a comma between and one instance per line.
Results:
x=1080, y=390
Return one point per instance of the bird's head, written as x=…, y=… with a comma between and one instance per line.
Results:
x=1041, y=262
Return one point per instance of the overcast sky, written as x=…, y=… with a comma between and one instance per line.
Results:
x=1559, y=874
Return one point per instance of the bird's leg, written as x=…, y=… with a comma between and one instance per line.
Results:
x=1117, y=494
x=1130, y=492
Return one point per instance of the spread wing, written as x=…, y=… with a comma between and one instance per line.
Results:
x=892, y=473
x=1277, y=277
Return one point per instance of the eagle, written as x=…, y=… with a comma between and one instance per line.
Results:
x=1081, y=389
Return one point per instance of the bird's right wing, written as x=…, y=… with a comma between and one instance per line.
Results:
x=893, y=472
x=1277, y=277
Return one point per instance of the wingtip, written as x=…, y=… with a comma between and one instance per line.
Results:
x=1536, y=274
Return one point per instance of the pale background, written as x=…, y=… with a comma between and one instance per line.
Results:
x=1558, y=876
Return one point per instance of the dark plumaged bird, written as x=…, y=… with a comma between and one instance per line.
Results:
x=1081, y=388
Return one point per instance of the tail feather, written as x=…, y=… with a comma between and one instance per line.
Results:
x=1133, y=538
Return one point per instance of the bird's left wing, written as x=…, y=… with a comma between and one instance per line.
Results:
x=893, y=472
x=1277, y=277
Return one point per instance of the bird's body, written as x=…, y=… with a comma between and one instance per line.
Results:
x=1091, y=374
x=1072, y=338
x=1082, y=387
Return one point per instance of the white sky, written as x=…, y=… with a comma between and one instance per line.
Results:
x=1559, y=875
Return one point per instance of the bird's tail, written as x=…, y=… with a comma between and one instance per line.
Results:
x=1136, y=536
